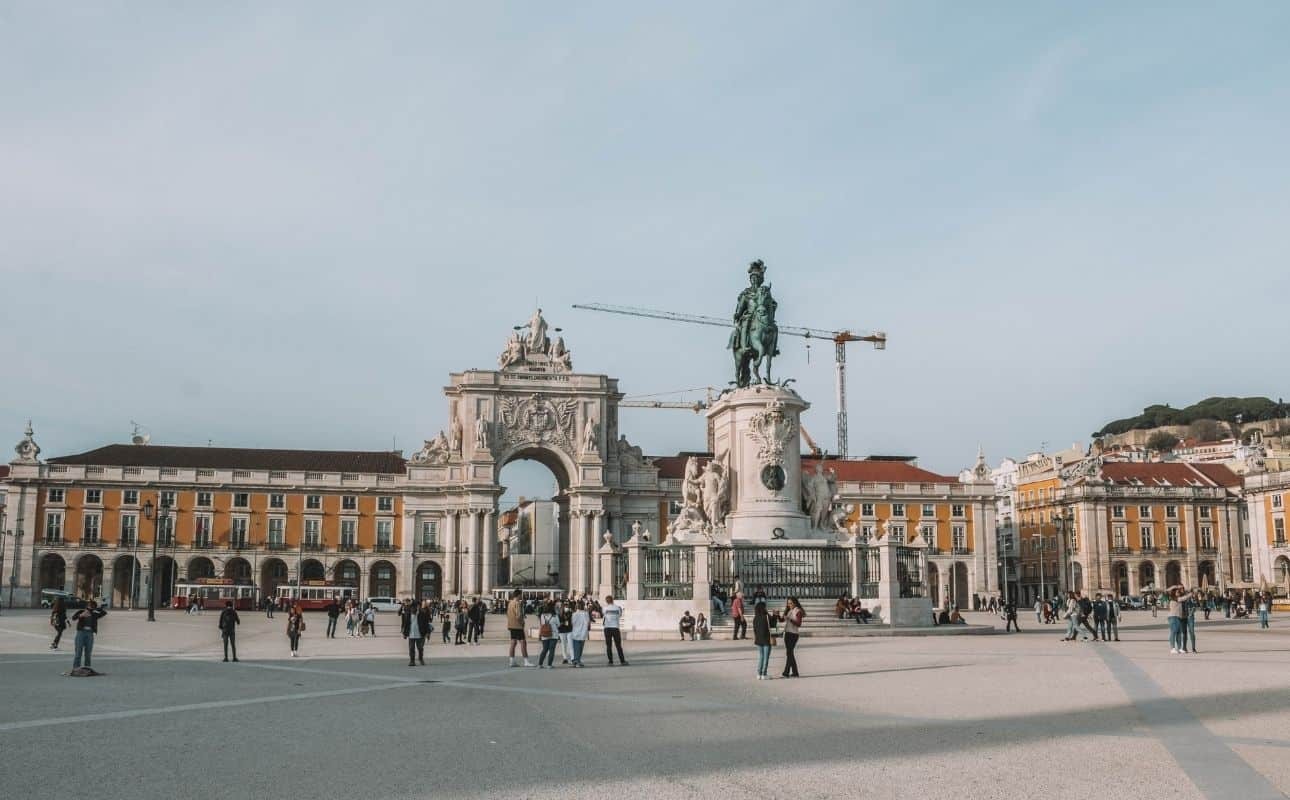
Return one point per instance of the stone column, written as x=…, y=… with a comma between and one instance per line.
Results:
x=702, y=579
x=470, y=554
x=1191, y=542
x=597, y=528
x=489, y=545
x=1133, y=577
x=450, y=587
x=605, y=559
x=405, y=580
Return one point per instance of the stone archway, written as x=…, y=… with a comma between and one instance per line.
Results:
x=959, y=586
x=1120, y=573
x=89, y=577
x=1147, y=576
x=346, y=573
x=163, y=578
x=1281, y=574
x=273, y=573
x=429, y=581
x=239, y=569
x=200, y=567
x=934, y=583
x=127, y=578
x=1205, y=574
x=311, y=569
x=1173, y=574
x=381, y=579
x=53, y=573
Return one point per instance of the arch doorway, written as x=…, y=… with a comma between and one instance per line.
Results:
x=239, y=569
x=163, y=577
x=53, y=572
x=429, y=579
x=381, y=580
x=312, y=570
x=345, y=573
x=1120, y=571
x=1173, y=574
x=200, y=567
x=1281, y=573
x=534, y=516
x=934, y=583
x=1205, y=574
x=127, y=576
x=1147, y=576
x=959, y=585
x=89, y=577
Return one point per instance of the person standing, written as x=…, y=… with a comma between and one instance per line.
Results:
x=268, y=607
x=478, y=614
x=737, y=615
x=515, y=625
x=445, y=619
x=1176, y=598
x=1010, y=616
x=793, y=616
x=1113, y=617
x=1099, y=617
x=370, y=617
x=579, y=630
x=1187, y=622
x=87, y=626
x=295, y=627
x=548, y=623
x=333, y=614
x=613, y=615
x=1039, y=611
x=763, y=640
x=1072, y=611
x=565, y=631
x=1265, y=609
x=415, y=626
x=228, y=622
x=58, y=621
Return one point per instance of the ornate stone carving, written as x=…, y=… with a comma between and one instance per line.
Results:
x=454, y=434
x=716, y=493
x=537, y=419
x=27, y=449
x=772, y=429
x=529, y=348
x=705, y=501
x=1088, y=470
x=629, y=455
x=590, y=435
x=435, y=451
x=819, y=488
x=561, y=358
x=481, y=435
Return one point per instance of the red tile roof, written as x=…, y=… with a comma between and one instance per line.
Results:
x=858, y=471
x=1219, y=474
x=1172, y=473
x=129, y=455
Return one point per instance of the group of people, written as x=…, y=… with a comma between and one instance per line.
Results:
x=694, y=628
x=848, y=606
x=1102, y=610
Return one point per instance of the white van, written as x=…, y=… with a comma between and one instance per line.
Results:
x=384, y=603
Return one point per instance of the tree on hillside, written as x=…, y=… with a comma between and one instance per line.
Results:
x=1205, y=430
x=1162, y=441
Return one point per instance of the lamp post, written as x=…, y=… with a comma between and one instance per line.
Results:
x=1065, y=521
x=158, y=514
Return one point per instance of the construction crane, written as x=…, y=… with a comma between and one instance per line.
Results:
x=697, y=406
x=840, y=341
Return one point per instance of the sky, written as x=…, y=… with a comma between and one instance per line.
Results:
x=285, y=225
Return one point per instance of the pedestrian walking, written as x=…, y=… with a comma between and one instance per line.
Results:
x=462, y=621
x=580, y=629
x=613, y=615
x=478, y=614
x=369, y=616
x=416, y=625
x=87, y=626
x=548, y=622
x=333, y=614
x=1010, y=616
x=351, y=619
x=763, y=639
x=737, y=616
x=1187, y=623
x=1099, y=617
x=1039, y=611
x=445, y=620
x=1265, y=609
x=793, y=616
x=515, y=625
x=228, y=622
x=295, y=627
x=58, y=621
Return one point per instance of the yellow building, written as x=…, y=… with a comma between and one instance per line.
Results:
x=1266, y=497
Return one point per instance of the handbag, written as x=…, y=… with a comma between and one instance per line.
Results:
x=301, y=627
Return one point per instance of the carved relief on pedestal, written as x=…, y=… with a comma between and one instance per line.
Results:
x=772, y=429
x=537, y=419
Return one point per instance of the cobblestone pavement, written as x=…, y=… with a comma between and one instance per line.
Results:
x=964, y=717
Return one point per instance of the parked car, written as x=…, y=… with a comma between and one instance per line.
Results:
x=384, y=603
x=1135, y=603
x=70, y=601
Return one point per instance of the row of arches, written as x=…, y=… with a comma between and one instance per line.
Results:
x=128, y=584
x=1148, y=575
x=958, y=591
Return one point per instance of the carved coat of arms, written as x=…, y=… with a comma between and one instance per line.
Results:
x=537, y=419
x=772, y=430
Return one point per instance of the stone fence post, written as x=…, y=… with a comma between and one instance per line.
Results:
x=606, y=555
x=633, y=548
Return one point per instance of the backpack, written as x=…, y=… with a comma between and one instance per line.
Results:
x=1085, y=606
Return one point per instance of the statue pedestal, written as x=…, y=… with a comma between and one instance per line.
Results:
x=755, y=432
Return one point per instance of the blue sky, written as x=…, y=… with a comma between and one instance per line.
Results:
x=285, y=227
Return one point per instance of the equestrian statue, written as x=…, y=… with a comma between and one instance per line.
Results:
x=755, y=338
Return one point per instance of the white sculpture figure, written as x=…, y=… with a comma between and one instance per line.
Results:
x=692, y=486
x=561, y=358
x=434, y=451
x=481, y=434
x=629, y=455
x=537, y=341
x=636, y=530
x=27, y=449
x=818, y=490
x=590, y=432
x=716, y=485
x=454, y=435
x=514, y=352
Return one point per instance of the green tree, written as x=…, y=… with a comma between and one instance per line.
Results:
x=1161, y=441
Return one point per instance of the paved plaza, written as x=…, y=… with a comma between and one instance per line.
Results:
x=963, y=717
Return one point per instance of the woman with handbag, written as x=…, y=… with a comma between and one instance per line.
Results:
x=792, y=616
x=548, y=621
x=763, y=639
x=295, y=627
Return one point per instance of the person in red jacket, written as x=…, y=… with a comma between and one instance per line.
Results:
x=737, y=616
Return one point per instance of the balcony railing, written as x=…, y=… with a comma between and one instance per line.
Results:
x=961, y=551
x=313, y=547
x=427, y=547
x=386, y=548
x=127, y=544
x=204, y=545
x=276, y=546
x=1121, y=551
x=935, y=551
x=347, y=547
x=241, y=545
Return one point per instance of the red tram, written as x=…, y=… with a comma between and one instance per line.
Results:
x=214, y=592
x=315, y=595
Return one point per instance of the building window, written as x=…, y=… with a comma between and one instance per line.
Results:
x=929, y=510
x=201, y=531
x=958, y=537
x=1204, y=512
x=53, y=527
x=1171, y=512
x=1276, y=501
x=1144, y=512
x=203, y=499
x=384, y=533
x=241, y=500
x=1117, y=512
x=129, y=529
x=93, y=497
x=276, y=527
x=130, y=497
x=1118, y=538
x=897, y=533
x=1207, y=537
x=237, y=535
x=277, y=501
x=957, y=510
x=929, y=534
x=1171, y=537
x=866, y=509
x=1247, y=569
x=348, y=533
x=90, y=529
x=1279, y=531
x=866, y=532
x=1245, y=539
x=898, y=509
x=54, y=496
x=1146, y=533
x=385, y=504
x=166, y=532
x=349, y=502
x=313, y=502
x=312, y=528
x=168, y=499
x=429, y=534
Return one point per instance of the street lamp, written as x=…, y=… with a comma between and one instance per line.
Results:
x=158, y=515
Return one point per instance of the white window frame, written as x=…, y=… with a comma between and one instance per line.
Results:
x=1207, y=537
x=202, y=527
x=1278, y=530
x=129, y=529
x=1276, y=501
x=166, y=532
x=129, y=497
x=246, y=500
x=313, y=502
x=1204, y=512
x=277, y=531
x=1173, y=539
x=1119, y=537
x=866, y=509
x=385, y=502
x=385, y=530
x=898, y=510
x=1171, y=512
x=352, y=524
x=897, y=532
x=168, y=499
x=958, y=536
x=205, y=499
x=277, y=501
x=1147, y=535
x=349, y=502
x=93, y=497
x=239, y=530
x=56, y=496
x=92, y=528
x=958, y=510
x=1117, y=512
x=1144, y=512
x=53, y=526
x=313, y=531
x=929, y=510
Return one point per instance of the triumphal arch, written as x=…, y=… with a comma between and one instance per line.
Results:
x=534, y=406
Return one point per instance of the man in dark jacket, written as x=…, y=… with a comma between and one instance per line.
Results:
x=228, y=622
x=1099, y=617
x=87, y=625
x=416, y=623
x=478, y=614
x=333, y=614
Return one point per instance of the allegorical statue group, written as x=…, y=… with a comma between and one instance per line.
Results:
x=530, y=344
x=705, y=499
